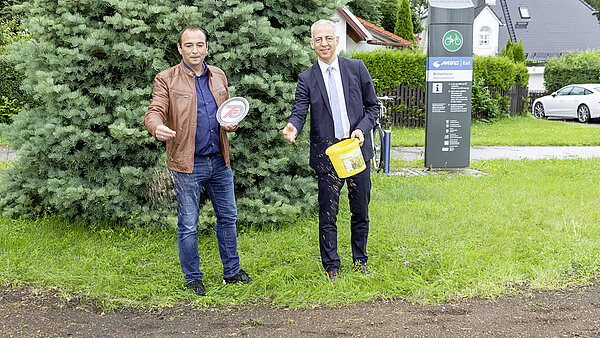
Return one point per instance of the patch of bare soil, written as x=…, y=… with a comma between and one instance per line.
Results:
x=571, y=312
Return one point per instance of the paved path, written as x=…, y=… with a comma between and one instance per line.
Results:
x=6, y=154
x=477, y=153
x=495, y=152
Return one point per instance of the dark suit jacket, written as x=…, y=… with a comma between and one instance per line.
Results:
x=361, y=104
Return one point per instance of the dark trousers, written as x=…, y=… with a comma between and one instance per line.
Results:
x=359, y=195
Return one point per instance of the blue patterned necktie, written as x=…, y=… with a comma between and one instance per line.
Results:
x=335, y=105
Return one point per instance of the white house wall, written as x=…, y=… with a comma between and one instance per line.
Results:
x=340, y=30
x=536, y=78
x=361, y=46
x=486, y=18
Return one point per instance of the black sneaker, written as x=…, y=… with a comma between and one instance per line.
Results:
x=197, y=286
x=240, y=277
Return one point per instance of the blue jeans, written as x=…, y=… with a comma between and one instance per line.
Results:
x=211, y=173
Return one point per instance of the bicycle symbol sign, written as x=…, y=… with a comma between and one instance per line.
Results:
x=452, y=40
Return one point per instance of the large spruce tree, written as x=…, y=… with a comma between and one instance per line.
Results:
x=83, y=149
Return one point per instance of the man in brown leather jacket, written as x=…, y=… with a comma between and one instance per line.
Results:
x=183, y=114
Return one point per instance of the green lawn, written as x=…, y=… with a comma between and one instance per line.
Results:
x=514, y=131
x=532, y=223
x=432, y=238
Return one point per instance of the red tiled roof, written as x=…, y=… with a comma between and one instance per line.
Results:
x=351, y=23
x=380, y=30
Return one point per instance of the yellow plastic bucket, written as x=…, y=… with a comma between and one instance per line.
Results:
x=346, y=158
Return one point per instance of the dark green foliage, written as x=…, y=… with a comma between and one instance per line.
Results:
x=84, y=151
x=389, y=10
x=484, y=105
x=519, y=53
x=514, y=51
x=499, y=72
x=572, y=68
x=8, y=108
x=390, y=68
x=595, y=4
x=367, y=10
x=5, y=8
x=12, y=98
x=418, y=8
x=404, y=25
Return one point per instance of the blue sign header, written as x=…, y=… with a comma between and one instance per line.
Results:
x=450, y=63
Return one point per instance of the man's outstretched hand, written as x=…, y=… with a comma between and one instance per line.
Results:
x=289, y=133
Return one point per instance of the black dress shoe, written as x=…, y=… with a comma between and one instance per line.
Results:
x=197, y=286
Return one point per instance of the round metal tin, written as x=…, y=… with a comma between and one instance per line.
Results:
x=232, y=111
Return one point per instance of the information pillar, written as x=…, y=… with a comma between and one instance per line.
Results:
x=449, y=84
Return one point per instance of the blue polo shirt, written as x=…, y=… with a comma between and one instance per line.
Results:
x=207, y=126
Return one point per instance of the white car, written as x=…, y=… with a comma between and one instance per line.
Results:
x=576, y=101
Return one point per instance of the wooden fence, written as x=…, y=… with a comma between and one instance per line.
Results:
x=408, y=109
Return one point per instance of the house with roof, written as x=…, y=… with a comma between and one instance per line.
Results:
x=357, y=34
x=548, y=28
x=486, y=30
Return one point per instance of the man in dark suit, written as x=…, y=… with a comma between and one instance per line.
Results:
x=343, y=104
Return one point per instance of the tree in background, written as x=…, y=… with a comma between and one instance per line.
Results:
x=367, y=10
x=83, y=148
x=389, y=11
x=12, y=98
x=514, y=51
x=404, y=25
x=596, y=5
x=418, y=9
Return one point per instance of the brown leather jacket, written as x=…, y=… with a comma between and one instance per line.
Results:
x=174, y=105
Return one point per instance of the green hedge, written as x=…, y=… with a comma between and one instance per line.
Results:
x=499, y=71
x=572, y=68
x=390, y=68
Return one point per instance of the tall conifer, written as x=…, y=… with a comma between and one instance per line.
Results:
x=404, y=25
x=83, y=149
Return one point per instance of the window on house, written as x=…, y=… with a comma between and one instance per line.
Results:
x=524, y=13
x=485, y=35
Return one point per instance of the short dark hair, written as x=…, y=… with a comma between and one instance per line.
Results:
x=193, y=28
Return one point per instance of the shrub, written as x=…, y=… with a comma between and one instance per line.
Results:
x=8, y=108
x=514, y=51
x=84, y=151
x=499, y=72
x=572, y=67
x=12, y=98
x=391, y=68
x=484, y=105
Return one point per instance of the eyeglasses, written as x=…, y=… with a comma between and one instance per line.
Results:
x=329, y=39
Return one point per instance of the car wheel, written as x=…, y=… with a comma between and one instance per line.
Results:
x=583, y=113
x=538, y=110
